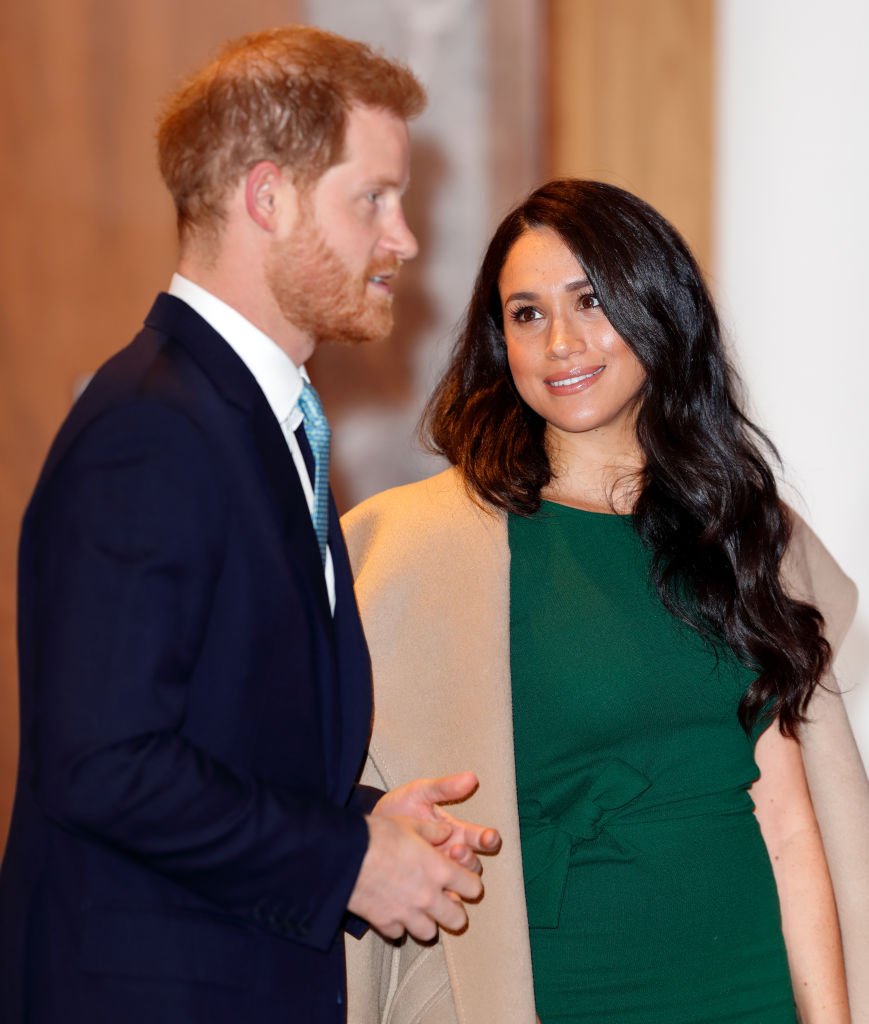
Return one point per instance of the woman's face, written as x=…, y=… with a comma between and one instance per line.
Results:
x=567, y=361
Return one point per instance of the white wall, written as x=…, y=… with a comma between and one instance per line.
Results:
x=792, y=262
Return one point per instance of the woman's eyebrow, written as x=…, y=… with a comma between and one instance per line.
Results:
x=574, y=286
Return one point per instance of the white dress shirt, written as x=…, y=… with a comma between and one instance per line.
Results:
x=277, y=375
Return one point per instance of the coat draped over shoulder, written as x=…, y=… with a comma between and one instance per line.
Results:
x=432, y=582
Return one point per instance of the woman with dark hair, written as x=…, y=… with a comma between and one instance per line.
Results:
x=610, y=587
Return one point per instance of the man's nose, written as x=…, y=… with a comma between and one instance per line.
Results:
x=399, y=239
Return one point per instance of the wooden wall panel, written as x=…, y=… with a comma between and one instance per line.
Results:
x=87, y=228
x=517, y=54
x=631, y=98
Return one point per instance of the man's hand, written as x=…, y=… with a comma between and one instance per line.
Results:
x=420, y=800
x=406, y=884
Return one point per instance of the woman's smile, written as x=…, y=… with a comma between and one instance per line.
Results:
x=573, y=380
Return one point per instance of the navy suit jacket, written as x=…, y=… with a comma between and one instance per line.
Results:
x=186, y=830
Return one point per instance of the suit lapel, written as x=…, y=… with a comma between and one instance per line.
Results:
x=235, y=383
x=283, y=482
x=345, y=685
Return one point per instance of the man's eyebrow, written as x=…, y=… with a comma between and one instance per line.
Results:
x=385, y=181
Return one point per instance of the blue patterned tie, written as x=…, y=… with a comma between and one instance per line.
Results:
x=318, y=435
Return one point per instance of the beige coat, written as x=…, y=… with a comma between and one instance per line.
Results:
x=432, y=574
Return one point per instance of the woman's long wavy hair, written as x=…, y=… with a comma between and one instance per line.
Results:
x=708, y=507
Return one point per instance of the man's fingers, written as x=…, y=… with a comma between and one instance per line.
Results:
x=422, y=927
x=446, y=911
x=434, y=832
x=490, y=840
x=465, y=856
x=405, y=883
x=451, y=787
x=481, y=838
x=393, y=930
x=450, y=913
x=464, y=882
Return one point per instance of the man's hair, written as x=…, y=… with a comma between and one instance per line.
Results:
x=281, y=95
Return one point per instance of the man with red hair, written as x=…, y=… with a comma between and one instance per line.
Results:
x=188, y=838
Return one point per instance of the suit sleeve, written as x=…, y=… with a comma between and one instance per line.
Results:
x=128, y=537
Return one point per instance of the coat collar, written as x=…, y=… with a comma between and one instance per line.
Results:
x=224, y=368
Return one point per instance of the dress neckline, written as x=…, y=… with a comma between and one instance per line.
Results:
x=586, y=511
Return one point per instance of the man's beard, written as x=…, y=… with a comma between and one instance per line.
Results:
x=318, y=294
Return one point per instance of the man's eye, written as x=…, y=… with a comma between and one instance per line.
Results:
x=373, y=197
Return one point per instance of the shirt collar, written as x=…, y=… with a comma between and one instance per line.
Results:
x=279, y=378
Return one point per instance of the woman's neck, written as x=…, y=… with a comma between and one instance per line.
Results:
x=594, y=470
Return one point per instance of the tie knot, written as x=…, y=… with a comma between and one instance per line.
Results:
x=316, y=424
x=311, y=406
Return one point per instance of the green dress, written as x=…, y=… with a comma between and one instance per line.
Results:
x=650, y=893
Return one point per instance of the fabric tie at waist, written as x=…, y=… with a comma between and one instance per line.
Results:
x=549, y=840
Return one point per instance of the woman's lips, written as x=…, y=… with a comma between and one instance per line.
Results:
x=573, y=380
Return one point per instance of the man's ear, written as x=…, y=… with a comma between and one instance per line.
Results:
x=270, y=198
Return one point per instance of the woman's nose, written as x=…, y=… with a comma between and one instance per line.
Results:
x=564, y=341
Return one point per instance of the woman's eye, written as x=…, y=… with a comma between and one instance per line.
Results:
x=372, y=197
x=524, y=314
x=588, y=301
